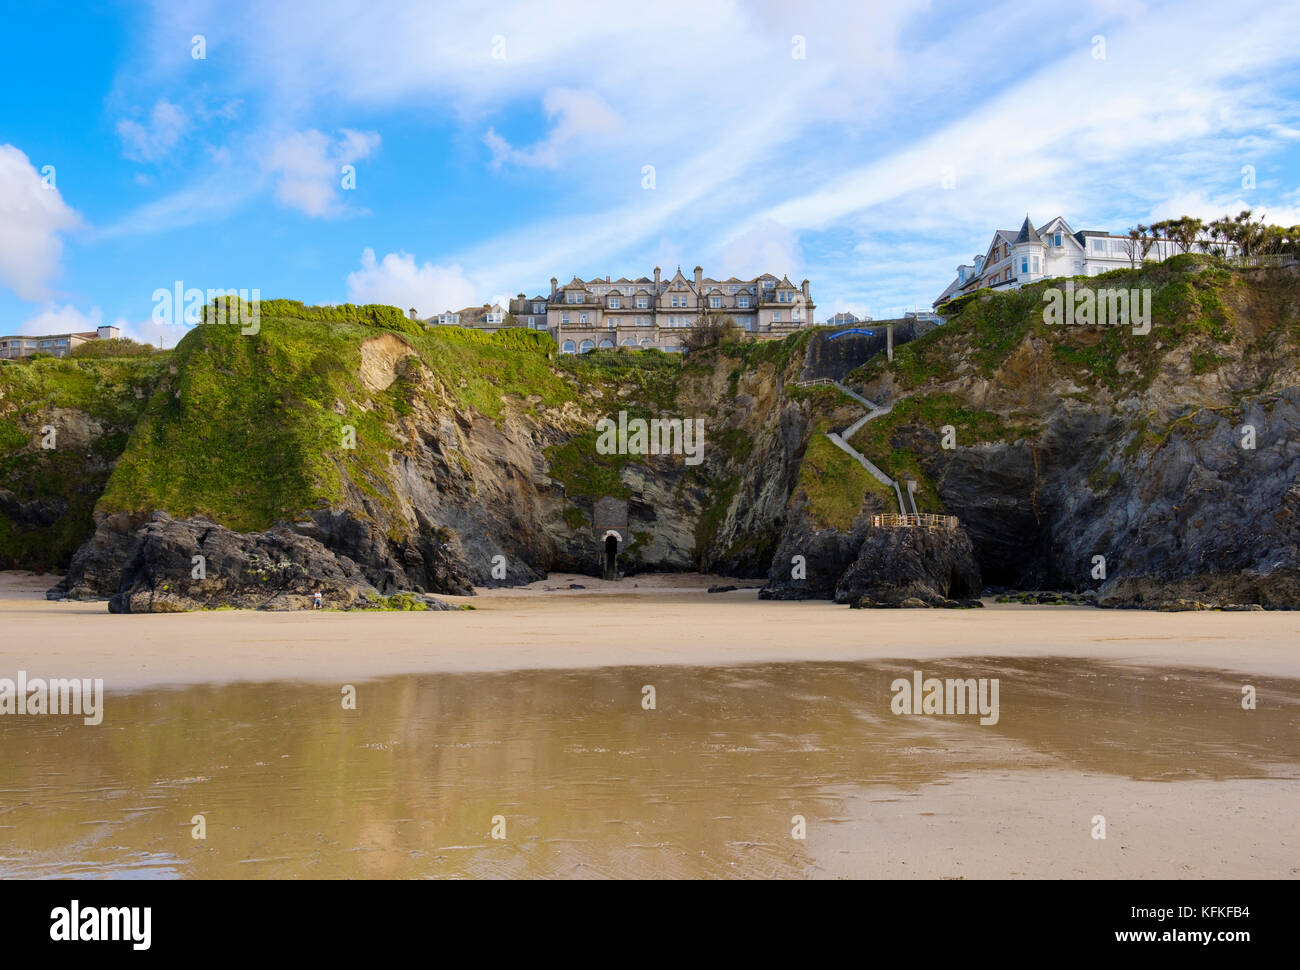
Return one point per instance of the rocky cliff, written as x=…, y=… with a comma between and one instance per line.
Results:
x=1157, y=470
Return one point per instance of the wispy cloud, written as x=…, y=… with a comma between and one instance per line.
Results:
x=157, y=136
x=309, y=168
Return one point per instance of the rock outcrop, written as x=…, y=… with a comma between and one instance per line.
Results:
x=912, y=567
x=810, y=561
x=167, y=565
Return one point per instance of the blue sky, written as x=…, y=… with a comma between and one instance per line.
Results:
x=869, y=147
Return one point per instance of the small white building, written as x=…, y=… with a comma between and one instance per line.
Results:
x=1014, y=258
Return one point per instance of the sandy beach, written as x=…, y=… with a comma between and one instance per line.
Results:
x=640, y=621
x=530, y=706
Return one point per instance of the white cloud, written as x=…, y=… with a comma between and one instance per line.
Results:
x=582, y=117
x=154, y=140
x=848, y=143
x=1199, y=205
x=397, y=281
x=858, y=308
x=151, y=332
x=52, y=318
x=308, y=168
x=767, y=247
x=32, y=216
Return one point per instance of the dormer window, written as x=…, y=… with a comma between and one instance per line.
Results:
x=1056, y=239
x=715, y=302
x=642, y=302
x=615, y=303
x=742, y=302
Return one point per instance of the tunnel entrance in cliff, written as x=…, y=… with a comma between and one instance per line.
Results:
x=609, y=523
x=611, y=557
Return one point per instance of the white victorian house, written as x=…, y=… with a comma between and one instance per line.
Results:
x=1014, y=258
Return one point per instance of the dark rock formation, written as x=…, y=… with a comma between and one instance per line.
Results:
x=152, y=569
x=1279, y=589
x=825, y=555
x=912, y=567
x=835, y=358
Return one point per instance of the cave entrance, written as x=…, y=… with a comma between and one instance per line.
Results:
x=611, y=557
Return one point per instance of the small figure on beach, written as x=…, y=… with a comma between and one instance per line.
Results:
x=316, y=604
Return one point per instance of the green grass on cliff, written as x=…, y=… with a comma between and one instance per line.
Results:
x=585, y=472
x=1188, y=311
x=102, y=396
x=935, y=411
x=835, y=484
x=931, y=413
x=253, y=428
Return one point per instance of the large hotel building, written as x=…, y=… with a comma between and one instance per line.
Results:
x=585, y=314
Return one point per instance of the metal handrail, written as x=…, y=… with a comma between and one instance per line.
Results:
x=913, y=520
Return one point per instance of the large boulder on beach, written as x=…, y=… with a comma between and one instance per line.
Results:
x=171, y=565
x=912, y=567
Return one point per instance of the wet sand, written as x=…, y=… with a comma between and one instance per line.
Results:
x=590, y=784
x=530, y=707
x=662, y=620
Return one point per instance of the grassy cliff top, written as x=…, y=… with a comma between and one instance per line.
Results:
x=252, y=428
x=1196, y=302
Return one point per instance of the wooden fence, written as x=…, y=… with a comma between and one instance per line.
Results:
x=910, y=520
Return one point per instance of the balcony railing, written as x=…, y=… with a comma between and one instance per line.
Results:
x=911, y=520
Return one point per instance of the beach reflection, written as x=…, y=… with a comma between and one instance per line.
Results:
x=290, y=784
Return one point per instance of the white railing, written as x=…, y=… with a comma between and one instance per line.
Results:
x=912, y=520
x=815, y=381
x=1264, y=259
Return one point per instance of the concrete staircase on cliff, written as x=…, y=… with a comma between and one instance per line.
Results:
x=840, y=440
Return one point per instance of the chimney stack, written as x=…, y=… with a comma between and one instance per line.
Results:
x=656, y=278
x=805, y=290
x=699, y=278
x=554, y=284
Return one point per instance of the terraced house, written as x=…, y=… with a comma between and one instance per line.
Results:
x=585, y=314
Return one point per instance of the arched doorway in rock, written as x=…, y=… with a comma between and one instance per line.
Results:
x=611, y=556
x=609, y=523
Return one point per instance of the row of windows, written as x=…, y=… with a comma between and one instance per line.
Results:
x=628, y=290
x=796, y=316
x=569, y=347
x=675, y=300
